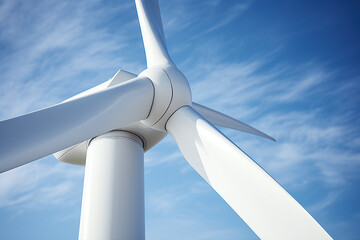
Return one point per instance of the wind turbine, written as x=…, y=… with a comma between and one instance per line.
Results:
x=110, y=126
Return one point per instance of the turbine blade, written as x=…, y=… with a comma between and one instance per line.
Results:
x=254, y=195
x=31, y=136
x=120, y=77
x=220, y=119
x=152, y=32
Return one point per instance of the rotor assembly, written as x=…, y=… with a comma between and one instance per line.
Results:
x=109, y=127
x=172, y=91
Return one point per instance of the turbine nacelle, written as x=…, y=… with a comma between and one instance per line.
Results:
x=172, y=91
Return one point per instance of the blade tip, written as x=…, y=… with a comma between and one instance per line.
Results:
x=271, y=138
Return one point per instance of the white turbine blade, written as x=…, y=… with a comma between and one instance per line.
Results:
x=255, y=196
x=120, y=77
x=152, y=32
x=220, y=119
x=32, y=136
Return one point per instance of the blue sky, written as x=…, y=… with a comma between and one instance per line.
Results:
x=289, y=68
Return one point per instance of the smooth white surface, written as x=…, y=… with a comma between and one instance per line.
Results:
x=152, y=33
x=255, y=196
x=172, y=91
x=113, y=196
x=163, y=94
x=120, y=77
x=77, y=154
x=181, y=94
x=38, y=134
x=220, y=119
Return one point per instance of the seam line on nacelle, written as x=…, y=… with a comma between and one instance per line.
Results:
x=143, y=143
x=152, y=102
x=172, y=95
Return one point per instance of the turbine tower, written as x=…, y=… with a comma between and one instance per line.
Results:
x=109, y=127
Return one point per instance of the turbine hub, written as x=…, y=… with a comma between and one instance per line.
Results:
x=172, y=91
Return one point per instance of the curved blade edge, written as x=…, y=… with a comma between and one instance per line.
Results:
x=220, y=119
x=152, y=32
x=254, y=195
x=34, y=135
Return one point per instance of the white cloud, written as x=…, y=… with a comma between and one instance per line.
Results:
x=330, y=198
x=165, y=201
x=40, y=184
x=61, y=53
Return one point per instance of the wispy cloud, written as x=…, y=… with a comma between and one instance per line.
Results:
x=63, y=35
x=227, y=17
x=165, y=201
x=40, y=185
x=328, y=200
x=155, y=158
x=182, y=17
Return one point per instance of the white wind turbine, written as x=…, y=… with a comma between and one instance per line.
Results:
x=111, y=125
